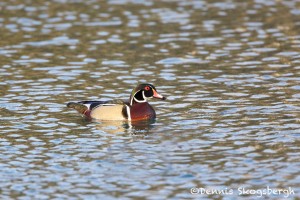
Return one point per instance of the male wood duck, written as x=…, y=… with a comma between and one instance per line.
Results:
x=136, y=109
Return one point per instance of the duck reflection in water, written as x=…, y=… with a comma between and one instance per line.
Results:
x=141, y=127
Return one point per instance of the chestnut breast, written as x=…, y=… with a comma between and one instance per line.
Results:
x=142, y=111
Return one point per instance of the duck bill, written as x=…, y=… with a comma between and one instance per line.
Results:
x=158, y=96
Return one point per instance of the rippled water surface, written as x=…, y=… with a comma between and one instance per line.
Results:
x=230, y=70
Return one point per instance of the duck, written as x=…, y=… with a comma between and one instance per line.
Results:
x=136, y=108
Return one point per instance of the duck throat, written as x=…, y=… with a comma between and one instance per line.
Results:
x=138, y=97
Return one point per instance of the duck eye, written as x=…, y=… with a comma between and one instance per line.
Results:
x=147, y=88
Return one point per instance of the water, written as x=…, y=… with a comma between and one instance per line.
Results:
x=230, y=71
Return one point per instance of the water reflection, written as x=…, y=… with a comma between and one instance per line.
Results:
x=142, y=127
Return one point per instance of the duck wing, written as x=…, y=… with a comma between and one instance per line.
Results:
x=85, y=107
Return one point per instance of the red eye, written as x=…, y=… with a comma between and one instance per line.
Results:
x=147, y=88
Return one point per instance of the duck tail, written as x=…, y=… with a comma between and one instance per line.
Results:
x=82, y=109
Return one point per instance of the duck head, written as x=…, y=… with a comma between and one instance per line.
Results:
x=143, y=92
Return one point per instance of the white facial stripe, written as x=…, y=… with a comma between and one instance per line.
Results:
x=139, y=101
x=133, y=98
x=144, y=95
